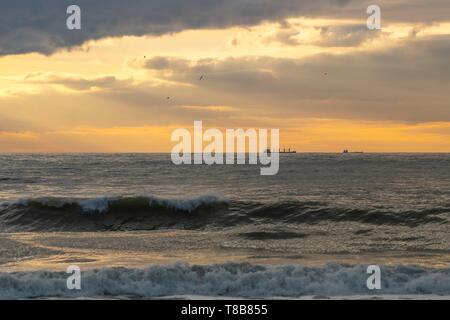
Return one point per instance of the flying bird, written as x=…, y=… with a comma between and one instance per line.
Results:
x=201, y=77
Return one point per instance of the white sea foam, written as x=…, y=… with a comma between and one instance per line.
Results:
x=226, y=280
x=186, y=204
x=95, y=205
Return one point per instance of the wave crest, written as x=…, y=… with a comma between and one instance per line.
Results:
x=104, y=204
x=151, y=212
x=106, y=213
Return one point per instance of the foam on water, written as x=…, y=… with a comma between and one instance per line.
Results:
x=232, y=280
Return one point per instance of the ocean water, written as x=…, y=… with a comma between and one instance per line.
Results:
x=140, y=227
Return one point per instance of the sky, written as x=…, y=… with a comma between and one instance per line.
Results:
x=310, y=68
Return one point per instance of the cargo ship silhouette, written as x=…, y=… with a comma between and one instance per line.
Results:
x=282, y=151
x=346, y=151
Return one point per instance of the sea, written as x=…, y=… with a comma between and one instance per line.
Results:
x=139, y=227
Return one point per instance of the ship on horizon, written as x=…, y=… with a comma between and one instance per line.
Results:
x=282, y=151
x=352, y=152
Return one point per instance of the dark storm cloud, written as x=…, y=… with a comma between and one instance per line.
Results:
x=409, y=11
x=40, y=25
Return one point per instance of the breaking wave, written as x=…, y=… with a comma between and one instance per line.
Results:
x=225, y=280
x=106, y=214
x=150, y=213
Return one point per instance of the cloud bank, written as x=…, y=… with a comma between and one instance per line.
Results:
x=406, y=83
x=40, y=25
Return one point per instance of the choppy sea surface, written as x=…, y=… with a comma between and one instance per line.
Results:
x=141, y=227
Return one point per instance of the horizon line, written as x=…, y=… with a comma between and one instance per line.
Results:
x=166, y=152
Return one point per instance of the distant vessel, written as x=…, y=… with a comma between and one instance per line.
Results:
x=287, y=151
x=282, y=151
x=346, y=151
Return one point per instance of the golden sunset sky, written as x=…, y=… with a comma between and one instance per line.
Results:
x=310, y=68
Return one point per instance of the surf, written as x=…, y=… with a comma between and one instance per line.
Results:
x=206, y=211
